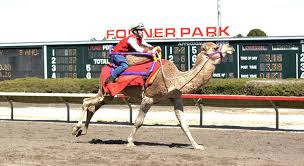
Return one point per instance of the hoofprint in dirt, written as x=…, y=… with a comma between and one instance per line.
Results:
x=37, y=143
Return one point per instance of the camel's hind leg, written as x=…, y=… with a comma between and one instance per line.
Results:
x=179, y=112
x=144, y=108
x=89, y=106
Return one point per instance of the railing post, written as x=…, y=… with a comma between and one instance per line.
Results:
x=197, y=103
x=277, y=114
x=130, y=107
x=68, y=109
x=12, y=106
x=12, y=109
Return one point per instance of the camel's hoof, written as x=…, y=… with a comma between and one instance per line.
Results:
x=131, y=144
x=75, y=130
x=78, y=133
x=199, y=147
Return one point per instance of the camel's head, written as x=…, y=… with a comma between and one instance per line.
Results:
x=216, y=52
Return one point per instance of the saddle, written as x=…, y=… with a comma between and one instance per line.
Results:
x=139, y=74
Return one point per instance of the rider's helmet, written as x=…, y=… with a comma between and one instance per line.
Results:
x=139, y=26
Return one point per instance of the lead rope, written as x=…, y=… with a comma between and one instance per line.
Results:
x=207, y=55
x=173, y=78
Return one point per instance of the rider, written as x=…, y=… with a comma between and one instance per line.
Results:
x=131, y=43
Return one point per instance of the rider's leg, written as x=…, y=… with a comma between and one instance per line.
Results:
x=122, y=65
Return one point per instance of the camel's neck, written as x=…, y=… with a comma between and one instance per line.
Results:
x=199, y=75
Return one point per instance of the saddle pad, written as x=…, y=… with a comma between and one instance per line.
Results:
x=127, y=80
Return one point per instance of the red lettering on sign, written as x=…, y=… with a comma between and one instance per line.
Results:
x=121, y=33
x=197, y=31
x=150, y=34
x=110, y=34
x=185, y=31
x=170, y=31
x=95, y=47
x=224, y=31
x=211, y=31
x=158, y=32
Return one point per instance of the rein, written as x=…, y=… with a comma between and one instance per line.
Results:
x=209, y=56
x=173, y=78
x=125, y=53
x=148, y=55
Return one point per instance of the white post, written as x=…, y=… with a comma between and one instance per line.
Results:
x=45, y=61
x=218, y=17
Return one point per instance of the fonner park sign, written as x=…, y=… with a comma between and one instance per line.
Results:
x=184, y=32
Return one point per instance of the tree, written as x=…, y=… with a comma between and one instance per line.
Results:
x=239, y=35
x=256, y=33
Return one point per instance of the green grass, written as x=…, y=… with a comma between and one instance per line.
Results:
x=257, y=87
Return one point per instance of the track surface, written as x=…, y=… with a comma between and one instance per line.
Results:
x=42, y=143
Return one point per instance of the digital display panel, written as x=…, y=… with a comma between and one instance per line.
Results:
x=269, y=61
x=20, y=63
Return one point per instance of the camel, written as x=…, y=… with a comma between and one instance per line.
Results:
x=169, y=83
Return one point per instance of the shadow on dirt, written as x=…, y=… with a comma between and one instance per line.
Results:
x=246, y=128
x=207, y=126
x=164, y=125
x=173, y=145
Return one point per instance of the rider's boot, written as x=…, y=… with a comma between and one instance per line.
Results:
x=110, y=79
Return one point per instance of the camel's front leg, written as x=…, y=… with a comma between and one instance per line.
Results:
x=89, y=106
x=179, y=112
x=143, y=109
x=76, y=129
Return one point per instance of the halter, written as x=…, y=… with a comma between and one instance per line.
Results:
x=218, y=51
x=125, y=53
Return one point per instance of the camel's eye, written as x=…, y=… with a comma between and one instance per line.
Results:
x=216, y=48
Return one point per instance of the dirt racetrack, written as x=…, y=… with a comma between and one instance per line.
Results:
x=44, y=143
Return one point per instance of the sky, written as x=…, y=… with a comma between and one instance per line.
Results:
x=82, y=20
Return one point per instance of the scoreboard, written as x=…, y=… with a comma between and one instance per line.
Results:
x=253, y=58
x=21, y=62
x=300, y=62
x=62, y=62
x=97, y=56
x=77, y=61
x=85, y=61
x=269, y=60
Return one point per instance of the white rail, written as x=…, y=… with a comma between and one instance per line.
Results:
x=25, y=94
x=197, y=97
x=8, y=95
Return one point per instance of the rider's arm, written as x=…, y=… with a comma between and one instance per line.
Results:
x=133, y=43
x=144, y=43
